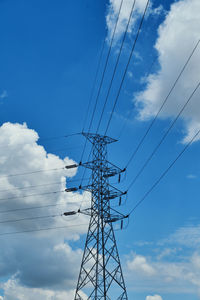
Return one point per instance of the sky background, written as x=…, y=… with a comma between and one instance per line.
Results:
x=48, y=56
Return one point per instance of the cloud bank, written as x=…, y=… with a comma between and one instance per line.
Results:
x=40, y=264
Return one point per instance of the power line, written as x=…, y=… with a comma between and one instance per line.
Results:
x=45, y=206
x=29, y=219
x=40, y=185
x=26, y=196
x=114, y=71
x=41, y=229
x=115, y=68
x=33, y=207
x=164, y=173
x=116, y=65
x=94, y=84
x=37, y=194
x=58, y=137
x=30, y=187
x=105, y=66
x=102, y=78
x=163, y=138
x=33, y=172
x=129, y=113
x=43, y=139
x=39, y=207
x=160, y=109
x=126, y=69
x=63, y=149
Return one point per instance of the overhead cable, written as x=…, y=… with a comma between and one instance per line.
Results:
x=30, y=219
x=102, y=78
x=26, y=196
x=165, y=172
x=114, y=71
x=42, y=139
x=130, y=111
x=58, y=137
x=163, y=137
x=41, y=229
x=161, y=107
x=33, y=172
x=40, y=185
x=31, y=208
x=42, y=206
x=116, y=64
x=62, y=149
x=127, y=65
x=94, y=84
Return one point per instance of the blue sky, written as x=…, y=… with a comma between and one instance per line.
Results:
x=48, y=58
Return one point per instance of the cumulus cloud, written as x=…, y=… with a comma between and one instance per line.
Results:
x=14, y=291
x=155, y=297
x=177, y=36
x=113, y=10
x=165, y=272
x=41, y=260
x=139, y=264
x=181, y=276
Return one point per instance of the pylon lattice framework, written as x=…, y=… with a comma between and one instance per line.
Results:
x=100, y=274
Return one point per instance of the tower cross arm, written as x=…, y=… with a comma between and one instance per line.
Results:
x=108, y=168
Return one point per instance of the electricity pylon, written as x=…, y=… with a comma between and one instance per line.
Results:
x=100, y=274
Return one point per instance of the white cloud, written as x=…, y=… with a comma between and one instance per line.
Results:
x=172, y=269
x=158, y=10
x=130, y=74
x=155, y=297
x=178, y=276
x=167, y=252
x=177, y=37
x=42, y=263
x=113, y=10
x=188, y=236
x=4, y=94
x=139, y=264
x=14, y=291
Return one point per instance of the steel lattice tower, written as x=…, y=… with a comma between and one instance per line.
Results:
x=100, y=274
